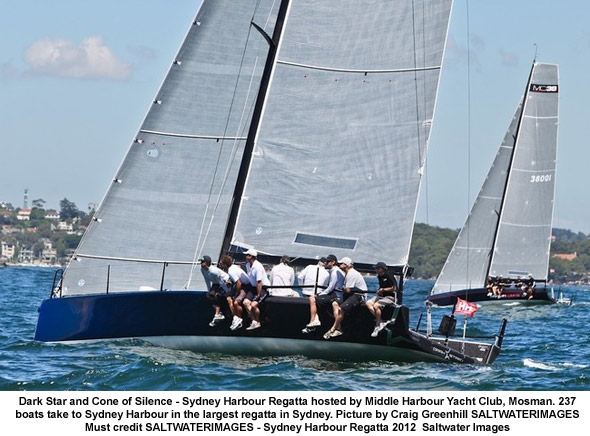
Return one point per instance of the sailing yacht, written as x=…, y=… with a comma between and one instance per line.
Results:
x=502, y=252
x=295, y=128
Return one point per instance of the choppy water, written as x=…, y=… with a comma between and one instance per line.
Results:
x=546, y=348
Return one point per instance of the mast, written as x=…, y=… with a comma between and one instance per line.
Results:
x=256, y=117
x=524, y=100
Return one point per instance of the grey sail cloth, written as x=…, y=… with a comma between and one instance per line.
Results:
x=468, y=262
x=512, y=239
x=171, y=196
x=342, y=142
x=524, y=233
x=339, y=151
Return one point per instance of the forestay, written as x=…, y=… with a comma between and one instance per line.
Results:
x=180, y=171
x=342, y=142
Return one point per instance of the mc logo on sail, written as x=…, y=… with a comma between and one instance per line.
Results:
x=543, y=88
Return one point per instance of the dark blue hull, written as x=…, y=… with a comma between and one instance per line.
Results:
x=480, y=295
x=180, y=319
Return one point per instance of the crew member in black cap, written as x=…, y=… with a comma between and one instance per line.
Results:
x=386, y=296
x=218, y=285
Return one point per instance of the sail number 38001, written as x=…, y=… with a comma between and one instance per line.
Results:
x=541, y=179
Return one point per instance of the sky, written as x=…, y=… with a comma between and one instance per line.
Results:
x=68, y=120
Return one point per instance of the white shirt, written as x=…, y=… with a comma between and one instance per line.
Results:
x=308, y=276
x=215, y=276
x=236, y=273
x=256, y=274
x=336, y=280
x=354, y=279
x=282, y=275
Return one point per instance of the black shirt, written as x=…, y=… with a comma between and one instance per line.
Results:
x=387, y=280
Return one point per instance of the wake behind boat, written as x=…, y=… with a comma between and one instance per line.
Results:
x=502, y=252
x=281, y=127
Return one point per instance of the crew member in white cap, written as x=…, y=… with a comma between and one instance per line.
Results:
x=255, y=288
x=354, y=294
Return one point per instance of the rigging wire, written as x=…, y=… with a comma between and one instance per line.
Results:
x=419, y=139
x=468, y=139
x=244, y=127
x=424, y=101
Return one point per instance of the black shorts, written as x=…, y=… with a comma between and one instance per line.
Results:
x=351, y=302
x=216, y=294
x=252, y=292
x=327, y=299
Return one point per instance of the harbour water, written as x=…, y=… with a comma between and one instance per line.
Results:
x=546, y=348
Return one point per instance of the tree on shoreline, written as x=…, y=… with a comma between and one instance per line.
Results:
x=68, y=210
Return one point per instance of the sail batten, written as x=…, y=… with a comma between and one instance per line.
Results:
x=362, y=71
x=186, y=135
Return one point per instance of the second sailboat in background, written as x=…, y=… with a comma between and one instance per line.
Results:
x=502, y=251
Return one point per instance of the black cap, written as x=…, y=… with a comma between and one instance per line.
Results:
x=331, y=257
x=205, y=259
x=380, y=265
x=323, y=259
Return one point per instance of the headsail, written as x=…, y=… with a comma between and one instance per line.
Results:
x=171, y=196
x=469, y=260
x=510, y=221
x=342, y=142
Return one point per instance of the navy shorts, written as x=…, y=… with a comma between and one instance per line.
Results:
x=252, y=292
x=216, y=294
x=326, y=299
x=351, y=302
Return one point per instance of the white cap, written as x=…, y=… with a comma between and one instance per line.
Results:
x=346, y=261
x=252, y=252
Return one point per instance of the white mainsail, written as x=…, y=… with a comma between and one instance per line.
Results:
x=338, y=148
x=508, y=230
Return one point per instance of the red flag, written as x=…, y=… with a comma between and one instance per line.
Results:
x=463, y=307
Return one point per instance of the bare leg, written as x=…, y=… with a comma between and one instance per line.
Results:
x=230, y=303
x=377, y=314
x=371, y=306
x=248, y=307
x=313, y=310
x=255, y=312
x=339, y=319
